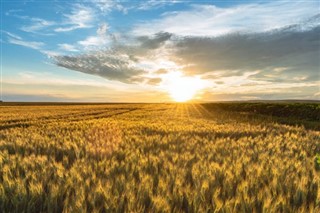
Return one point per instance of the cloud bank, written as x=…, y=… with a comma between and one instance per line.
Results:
x=293, y=50
x=289, y=54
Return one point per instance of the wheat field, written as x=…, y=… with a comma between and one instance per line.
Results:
x=154, y=158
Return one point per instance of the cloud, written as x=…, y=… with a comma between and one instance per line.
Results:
x=102, y=30
x=93, y=41
x=154, y=42
x=155, y=4
x=80, y=17
x=36, y=45
x=13, y=12
x=154, y=81
x=109, y=65
x=161, y=71
x=297, y=93
x=106, y=6
x=37, y=25
x=68, y=47
x=266, y=53
x=100, y=40
x=30, y=44
x=144, y=47
x=50, y=53
x=123, y=62
x=210, y=20
x=289, y=54
x=47, y=78
x=12, y=35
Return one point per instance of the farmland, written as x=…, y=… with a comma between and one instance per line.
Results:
x=220, y=157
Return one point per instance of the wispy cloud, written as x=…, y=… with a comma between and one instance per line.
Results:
x=80, y=17
x=36, y=45
x=13, y=12
x=106, y=6
x=47, y=78
x=68, y=47
x=38, y=25
x=154, y=4
x=51, y=53
x=210, y=20
x=100, y=40
x=30, y=44
x=12, y=35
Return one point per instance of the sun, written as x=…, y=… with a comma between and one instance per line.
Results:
x=182, y=88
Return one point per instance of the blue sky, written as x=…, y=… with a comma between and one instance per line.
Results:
x=155, y=51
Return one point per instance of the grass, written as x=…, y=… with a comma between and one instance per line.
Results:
x=228, y=157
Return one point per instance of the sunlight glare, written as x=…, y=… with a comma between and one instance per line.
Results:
x=182, y=88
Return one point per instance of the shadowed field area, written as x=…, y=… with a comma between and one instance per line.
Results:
x=226, y=157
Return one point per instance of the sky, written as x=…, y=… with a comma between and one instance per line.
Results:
x=159, y=51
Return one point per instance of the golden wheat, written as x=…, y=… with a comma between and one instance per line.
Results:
x=153, y=158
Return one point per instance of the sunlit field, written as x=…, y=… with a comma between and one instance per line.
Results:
x=223, y=157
